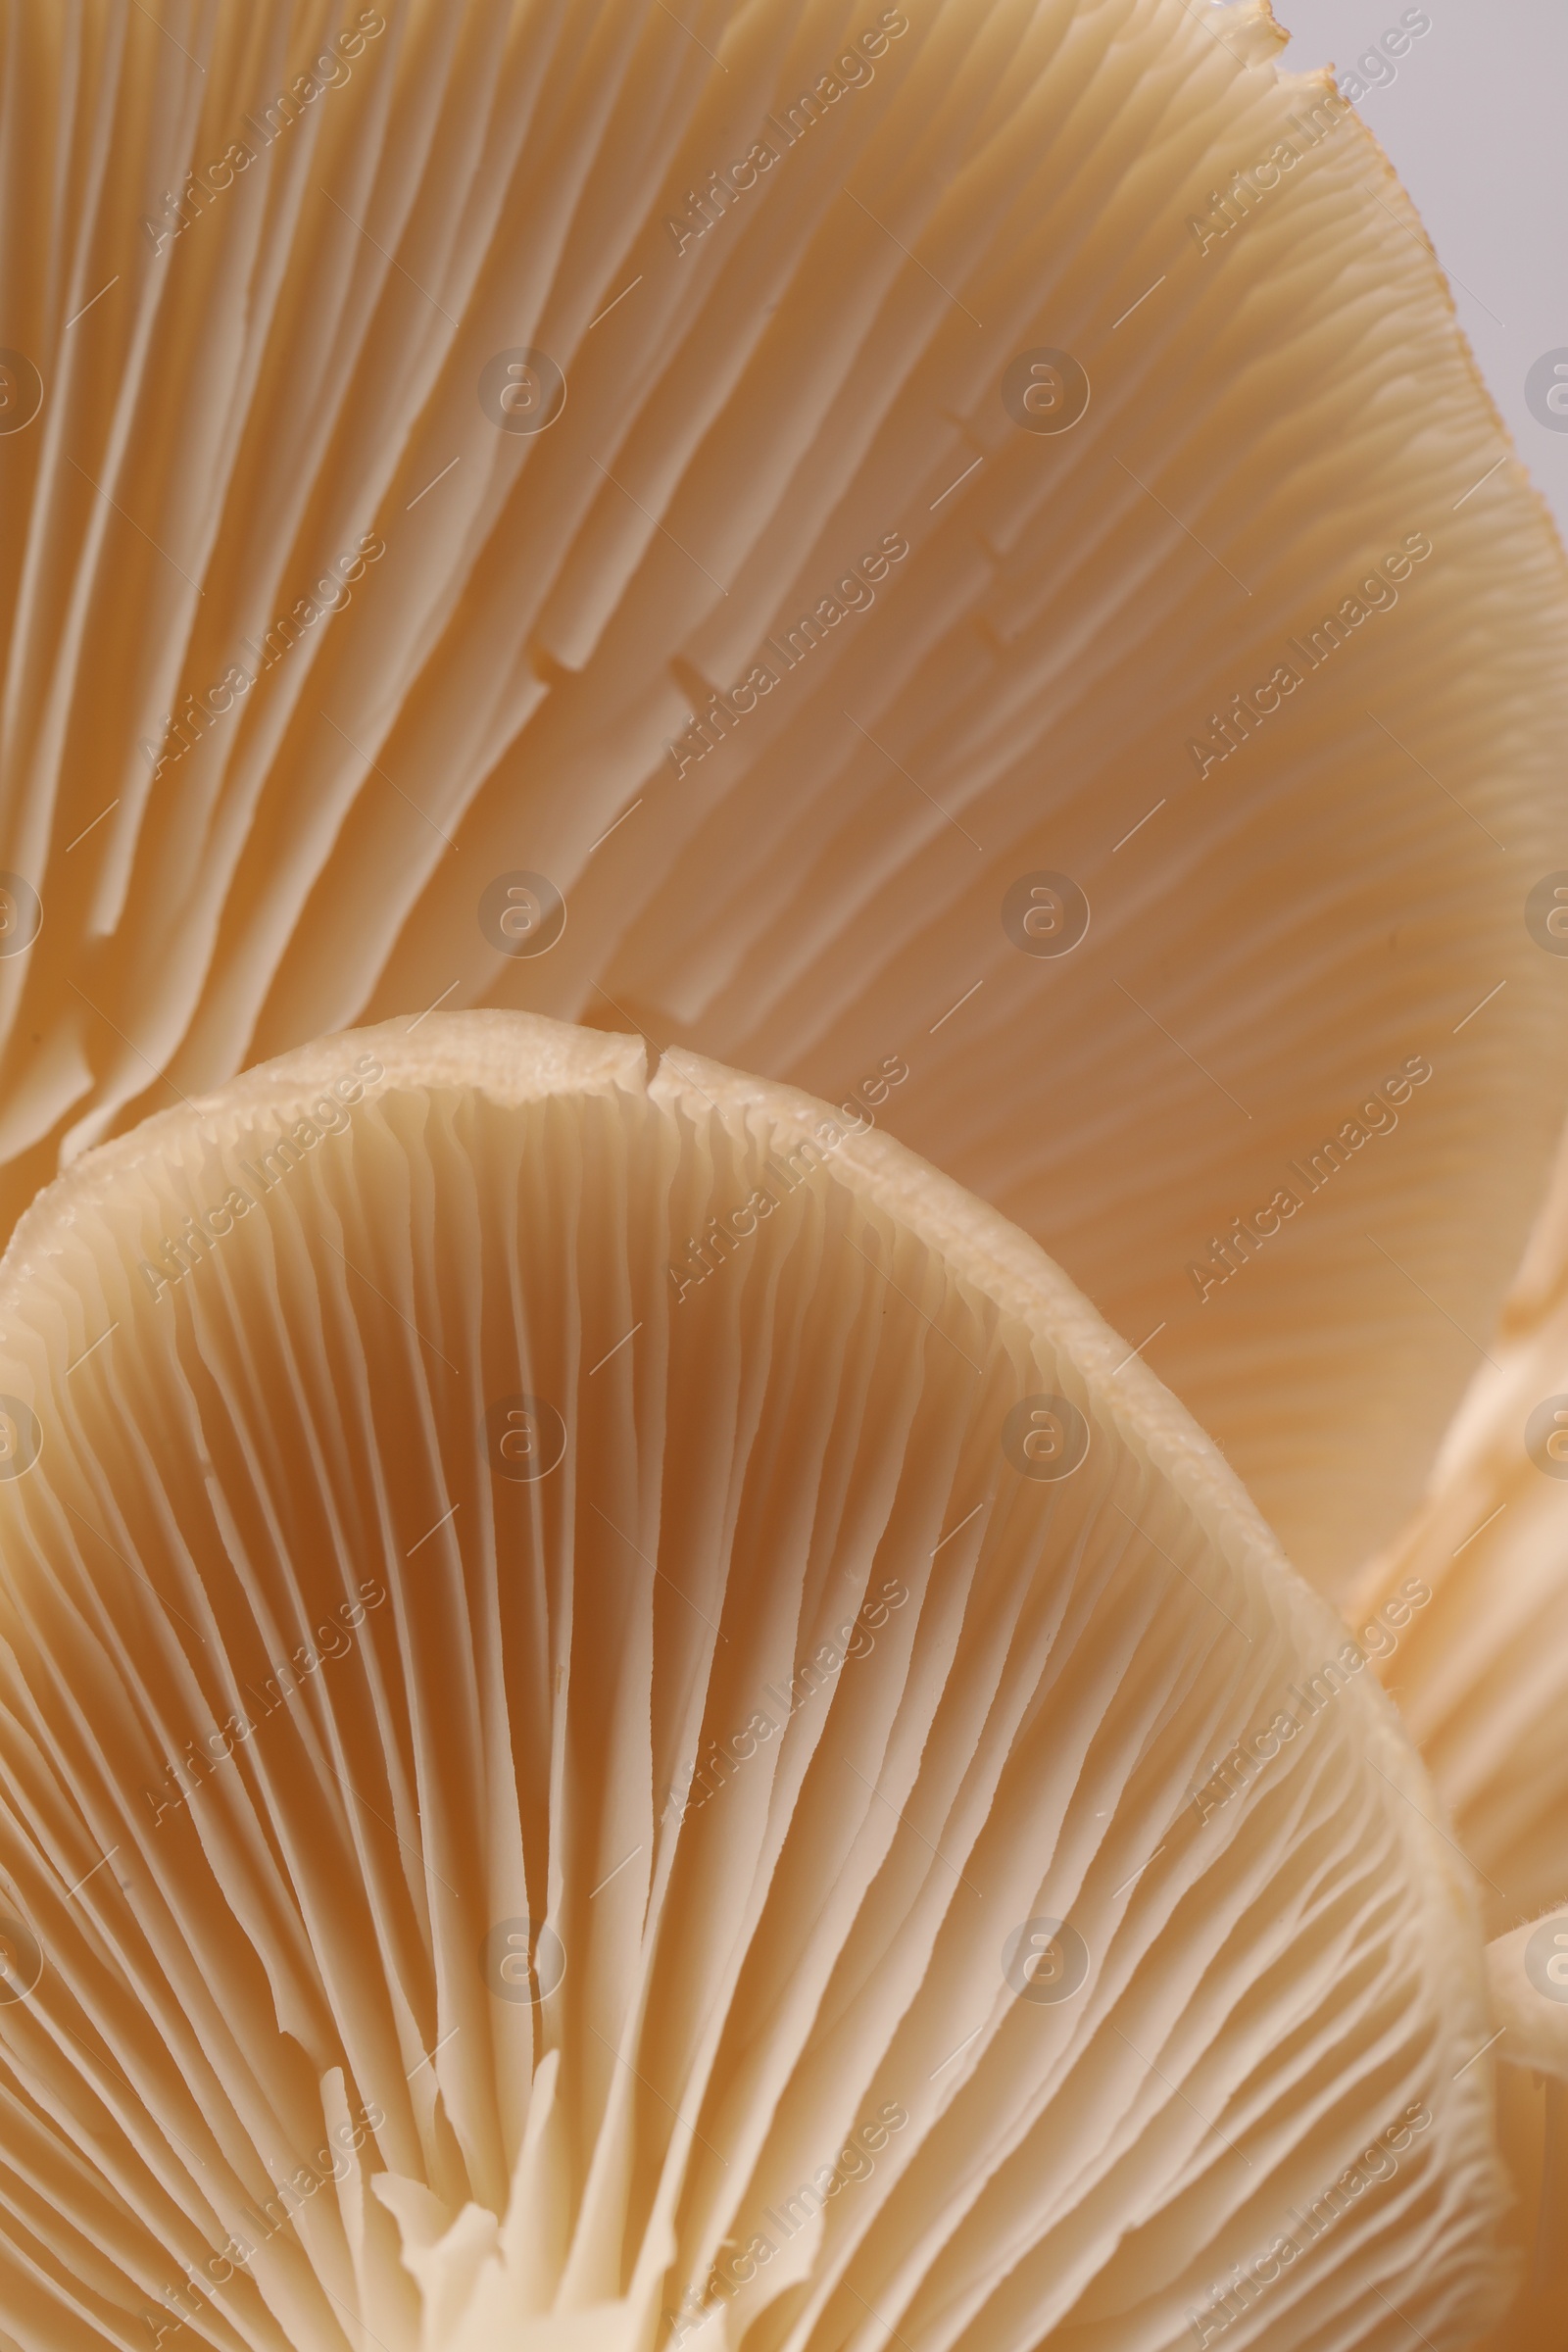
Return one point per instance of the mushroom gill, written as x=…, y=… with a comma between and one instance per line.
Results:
x=624, y=1722
x=1480, y=1663
x=852, y=504
x=1466, y=1615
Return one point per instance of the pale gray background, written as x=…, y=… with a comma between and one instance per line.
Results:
x=1476, y=125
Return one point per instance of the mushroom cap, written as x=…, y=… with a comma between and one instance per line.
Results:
x=1478, y=1653
x=928, y=235
x=1466, y=1616
x=564, y=1799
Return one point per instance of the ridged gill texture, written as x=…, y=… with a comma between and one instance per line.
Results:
x=1482, y=1674
x=819, y=584
x=1480, y=1677
x=624, y=1723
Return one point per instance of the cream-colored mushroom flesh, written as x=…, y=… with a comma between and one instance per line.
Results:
x=624, y=1721
x=843, y=501
x=1467, y=1617
x=1480, y=1664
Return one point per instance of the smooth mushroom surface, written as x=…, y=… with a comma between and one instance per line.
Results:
x=951, y=554
x=624, y=1722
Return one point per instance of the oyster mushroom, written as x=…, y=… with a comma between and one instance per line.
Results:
x=624, y=1721
x=1479, y=1662
x=1527, y=1980
x=421, y=479
x=1467, y=1617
